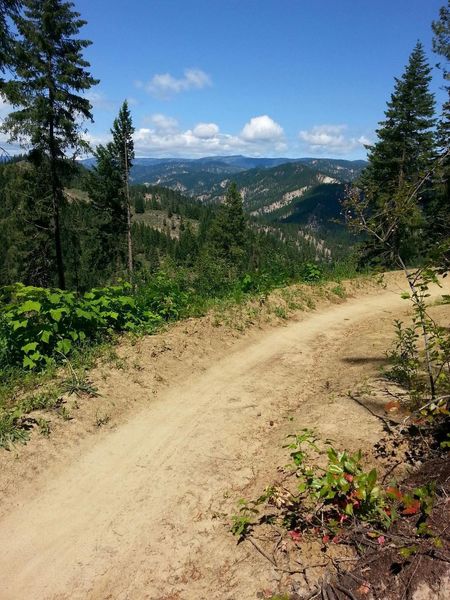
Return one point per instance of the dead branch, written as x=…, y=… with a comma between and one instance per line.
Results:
x=385, y=420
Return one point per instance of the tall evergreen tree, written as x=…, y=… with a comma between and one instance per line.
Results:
x=400, y=158
x=122, y=132
x=441, y=46
x=439, y=214
x=26, y=250
x=109, y=214
x=228, y=231
x=405, y=145
x=50, y=75
x=8, y=10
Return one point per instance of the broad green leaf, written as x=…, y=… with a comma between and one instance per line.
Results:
x=19, y=324
x=64, y=346
x=371, y=478
x=28, y=363
x=29, y=306
x=56, y=314
x=46, y=335
x=84, y=314
x=126, y=300
x=349, y=508
x=31, y=347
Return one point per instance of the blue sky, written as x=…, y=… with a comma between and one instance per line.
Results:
x=255, y=77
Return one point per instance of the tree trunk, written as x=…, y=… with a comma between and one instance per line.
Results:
x=127, y=194
x=56, y=196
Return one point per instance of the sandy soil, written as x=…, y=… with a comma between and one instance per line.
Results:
x=137, y=509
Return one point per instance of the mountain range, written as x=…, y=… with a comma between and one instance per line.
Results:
x=306, y=191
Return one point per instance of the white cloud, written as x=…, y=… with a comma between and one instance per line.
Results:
x=206, y=131
x=151, y=142
x=162, y=122
x=331, y=138
x=163, y=137
x=365, y=141
x=262, y=128
x=99, y=101
x=165, y=85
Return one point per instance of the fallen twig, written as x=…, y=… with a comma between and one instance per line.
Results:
x=385, y=420
x=262, y=552
x=345, y=591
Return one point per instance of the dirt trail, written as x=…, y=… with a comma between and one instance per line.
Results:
x=136, y=513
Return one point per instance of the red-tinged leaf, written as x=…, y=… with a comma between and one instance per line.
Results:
x=364, y=588
x=326, y=539
x=348, y=477
x=412, y=509
x=395, y=492
x=392, y=406
x=381, y=540
x=337, y=539
x=295, y=535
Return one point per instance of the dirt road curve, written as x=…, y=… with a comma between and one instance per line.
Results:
x=136, y=513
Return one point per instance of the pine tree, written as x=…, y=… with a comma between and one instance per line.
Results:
x=441, y=46
x=50, y=75
x=109, y=218
x=8, y=10
x=405, y=145
x=228, y=231
x=122, y=132
x=27, y=253
x=439, y=213
x=401, y=157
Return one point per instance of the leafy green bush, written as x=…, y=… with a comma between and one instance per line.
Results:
x=311, y=273
x=39, y=325
x=332, y=500
x=344, y=487
x=404, y=356
x=165, y=296
x=256, y=282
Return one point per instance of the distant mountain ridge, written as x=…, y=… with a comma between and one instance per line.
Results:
x=306, y=191
x=175, y=170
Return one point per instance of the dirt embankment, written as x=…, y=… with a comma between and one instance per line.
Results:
x=192, y=419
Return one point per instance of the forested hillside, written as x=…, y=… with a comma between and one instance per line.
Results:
x=271, y=188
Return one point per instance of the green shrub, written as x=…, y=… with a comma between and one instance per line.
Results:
x=311, y=273
x=39, y=325
x=165, y=296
